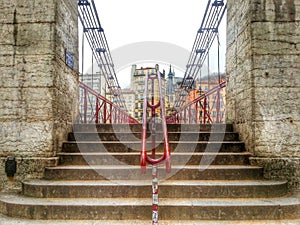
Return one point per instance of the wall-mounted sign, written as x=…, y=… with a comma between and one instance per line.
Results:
x=69, y=59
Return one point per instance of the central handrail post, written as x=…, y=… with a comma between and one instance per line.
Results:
x=161, y=103
x=144, y=156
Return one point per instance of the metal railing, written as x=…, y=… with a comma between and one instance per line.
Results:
x=153, y=106
x=146, y=104
x=94, y=108
x=205, y=38
x=94, y=33
x=202, y=109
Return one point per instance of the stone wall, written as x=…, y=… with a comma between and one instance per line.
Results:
x=263, y=67
x=38, y=91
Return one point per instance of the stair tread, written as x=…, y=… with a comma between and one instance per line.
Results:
x=139, y=142
x=224, y=202
x=158, y=132
x=138, y=153
x=148, y=183
x=122, y=167
x=5, y=220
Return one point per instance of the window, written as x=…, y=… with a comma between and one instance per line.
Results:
x=214, y=114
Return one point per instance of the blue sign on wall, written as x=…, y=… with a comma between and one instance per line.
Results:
x=69, y=59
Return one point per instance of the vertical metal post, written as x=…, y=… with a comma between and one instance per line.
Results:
x=197, y=112
x=97, y=111
x=154, y=195
x=218, y=107
x=153, y=116
x=110, y=113
x=190, y=114
x=205, y=110
x=104, y=113
x=85, y=107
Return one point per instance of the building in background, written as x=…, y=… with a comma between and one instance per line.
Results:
x=129, y=96
x=138, y=76
x=204, y=85
x=96, y=82
x=134, y=95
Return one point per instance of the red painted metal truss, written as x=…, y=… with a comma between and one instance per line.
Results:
x=153, y=118
x=94, y=108
x=204, y=109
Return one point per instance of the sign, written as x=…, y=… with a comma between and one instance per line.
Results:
x=69, y=59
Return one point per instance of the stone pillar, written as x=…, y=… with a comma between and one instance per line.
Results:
x=263, y=94
x=38, y=91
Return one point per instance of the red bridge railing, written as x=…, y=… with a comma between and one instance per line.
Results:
x=207, y=108
x=153, y=116
x=152, y=122
x=94, y=108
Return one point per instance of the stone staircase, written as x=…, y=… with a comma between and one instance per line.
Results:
x=98, y=181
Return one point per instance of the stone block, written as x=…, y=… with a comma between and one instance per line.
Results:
x=35, y=70
x=10, y=108
x=38, y=11
x=271, y=143
x=275, y=38
x=37, y=103
x=27, y=103
x=7, y=35
x=277, y=104
x=285, y=168
x=286, y=10
x=276, y=70
x=27, y=168
x=21, y=138
x=35, y=39
x=238, y=13
x=6, y=50
x=6, y=61
x=7, y=9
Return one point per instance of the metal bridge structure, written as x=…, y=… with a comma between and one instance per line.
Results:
x=199, y=110
x=94, y=33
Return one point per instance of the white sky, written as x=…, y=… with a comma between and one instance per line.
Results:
x=171, y=21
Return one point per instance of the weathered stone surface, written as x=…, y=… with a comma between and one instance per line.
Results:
x=35, y=40
x=37, y=11
x=38, y=91
x=7, y=34
x=283, y=168
x=27, y=168
x=264, y=77
x=278, y=10
x=276, y=70
x=282, y=104
x=26, y=139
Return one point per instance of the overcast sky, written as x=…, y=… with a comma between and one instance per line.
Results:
x=171, y=21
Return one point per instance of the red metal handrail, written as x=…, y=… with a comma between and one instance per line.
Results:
x=97, y=109
x=161, y=104
x=201, y=110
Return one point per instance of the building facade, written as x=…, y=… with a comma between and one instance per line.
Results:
x=138, y=76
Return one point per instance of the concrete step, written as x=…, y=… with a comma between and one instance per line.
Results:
x=125, y=172
x=5, y=220
x=173, y=136
x=143, y=189
x=140, y=209
x=128, y=128
x=134, y=158
x=135, y=146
